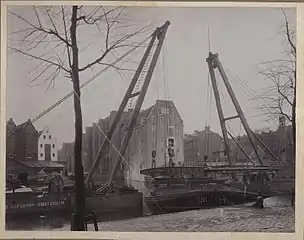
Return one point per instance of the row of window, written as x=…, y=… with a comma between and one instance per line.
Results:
x=44, y=137
x=165, y=110
x=41, y=154
x=162, y=150
x=53, y=145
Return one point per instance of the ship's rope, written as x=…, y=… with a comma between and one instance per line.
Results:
x=56, y=104
x=251, y=94
x=208, y=116
x=208, y=103
x=166, y=98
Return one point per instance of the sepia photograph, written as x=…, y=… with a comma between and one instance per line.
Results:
x=125, y=118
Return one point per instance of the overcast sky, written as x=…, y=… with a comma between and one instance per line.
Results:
x=243, y=37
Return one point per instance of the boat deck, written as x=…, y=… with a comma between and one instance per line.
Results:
x=203, y=170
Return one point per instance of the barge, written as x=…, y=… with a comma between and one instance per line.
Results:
x=25, y=202
x=174, y=189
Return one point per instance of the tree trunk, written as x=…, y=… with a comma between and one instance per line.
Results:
x=79, y=176
x=294, y=117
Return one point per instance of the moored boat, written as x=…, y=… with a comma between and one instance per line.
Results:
x=25, y=202
x=173, y=189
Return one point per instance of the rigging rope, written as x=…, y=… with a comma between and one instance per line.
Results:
x=208, y=103
x=247, y=90
x=206, y=135
x=166, y=98
x=88, y=81
x=209, y=45
x=239, y=142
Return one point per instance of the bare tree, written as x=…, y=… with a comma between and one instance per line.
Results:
x=280, y=98
x=53, y=38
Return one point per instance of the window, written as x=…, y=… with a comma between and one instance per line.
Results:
x=41, y=145
x=171, y=142
x=165, y=111
x=50, y=137
x=53, y=154
x=41, y=154
x=53, y=145
x=44, y=136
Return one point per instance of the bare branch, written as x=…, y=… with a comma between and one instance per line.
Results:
x=39, y=58
x=288, y=35
x=40, y=28
x=92, y=20
x=117, y=68
x=114, y=46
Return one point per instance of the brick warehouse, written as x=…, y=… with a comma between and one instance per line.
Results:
x=155, y=126
x=22, y=152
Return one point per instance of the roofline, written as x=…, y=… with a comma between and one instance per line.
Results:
x=153, y=107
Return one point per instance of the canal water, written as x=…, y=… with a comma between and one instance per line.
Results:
x=277, y=216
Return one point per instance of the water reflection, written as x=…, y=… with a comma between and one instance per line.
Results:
x=41, y=223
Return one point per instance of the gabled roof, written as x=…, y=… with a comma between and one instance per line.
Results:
x=40, y=164
x=11, y=126
x=11, y=122
x=26, y=124
x=146, y=113
x=168, y=103
x=22, y=125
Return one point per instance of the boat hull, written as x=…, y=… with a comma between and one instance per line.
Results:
x=116, y=206
x=18, y=205
x=109, y=207
x=196, y=199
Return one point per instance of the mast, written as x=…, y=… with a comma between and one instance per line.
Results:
x=215, y=62
x=128, y=95
x=219, y=106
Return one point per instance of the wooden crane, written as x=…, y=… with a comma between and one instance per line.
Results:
x=159, y=34
x=214, y=62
